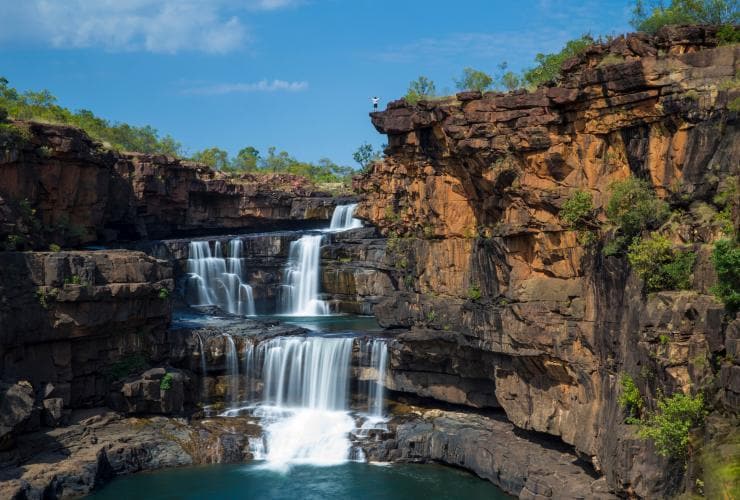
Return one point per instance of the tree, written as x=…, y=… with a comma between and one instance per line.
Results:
x=548, y=65
x=365, y=155
x=246, y=159
x=213, y=157
x=472, y=79
x=419, y=89
x=651, y=15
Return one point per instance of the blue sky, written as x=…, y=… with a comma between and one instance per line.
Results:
x=295, y=74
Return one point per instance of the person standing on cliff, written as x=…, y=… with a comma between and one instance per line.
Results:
x=375, y=100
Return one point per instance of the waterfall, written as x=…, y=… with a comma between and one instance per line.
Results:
x=342, y=219
x=217, y=280
x=304, y=412
x=203, y=368
x=249, y=370
x=232, y=370
x=301, y=279
x=376, y=389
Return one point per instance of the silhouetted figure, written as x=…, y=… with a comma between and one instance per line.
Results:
x=375, y=100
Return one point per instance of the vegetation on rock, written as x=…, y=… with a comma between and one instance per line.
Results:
x=659, y=264
x=473, y=79
x=651, y=15
x=630, y=398
x=166, y=383
x=365, y=155
x=548, y=65
x=633, y=208
x=726, y=260
x=419, y=89
x=669, y=426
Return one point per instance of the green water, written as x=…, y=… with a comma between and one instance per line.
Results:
x=348, y=481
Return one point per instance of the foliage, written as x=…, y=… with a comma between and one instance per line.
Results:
x=577, y=211
x=126, y=366
x=474, y=293
x=419, y=89
x=720, y=462
x=54, y=248
x=726, y=260
x=246, y=160
x=473, y=79
x=630, y=398
x=507, y=80
x=213, y=157
x=659, y=264
x=651, y=15
x=42, y=106
x=633, y=207
x=548, y=65
x=365, y=155
x=166, y=383
x=163, y=294
x=728, y=34
x=669, y=427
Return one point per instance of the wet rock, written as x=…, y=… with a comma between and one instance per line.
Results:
x=16, y=411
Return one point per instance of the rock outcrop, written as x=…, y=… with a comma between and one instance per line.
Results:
x=61, y=187
x=468, y=196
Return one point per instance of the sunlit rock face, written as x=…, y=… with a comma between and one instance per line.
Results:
x=468, y=197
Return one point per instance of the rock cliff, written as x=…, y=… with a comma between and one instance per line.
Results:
x=498, y=292
x=59, y=186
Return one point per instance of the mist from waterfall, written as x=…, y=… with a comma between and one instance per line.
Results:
x=301, y=278
x=342, y=219
x=217, y=280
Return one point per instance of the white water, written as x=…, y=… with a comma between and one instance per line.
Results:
x=219, y=280
x=342, y=220
x=376, y=388
x=300, y=290
x=203, y=368
x=232, y=370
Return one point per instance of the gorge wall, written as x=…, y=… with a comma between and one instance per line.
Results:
x=505, y=307
x=59, y=186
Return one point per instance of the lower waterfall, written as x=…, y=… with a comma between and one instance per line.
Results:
x=300, y=289
x=305, y=408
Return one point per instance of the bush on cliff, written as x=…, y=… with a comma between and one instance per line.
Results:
x=634, y=208
x=548, y=65
x=726, y=260
x=419, y=89
x=473, y=79
x=669, y=426
x=630, y=398
x=651, y=15
x=660, y=265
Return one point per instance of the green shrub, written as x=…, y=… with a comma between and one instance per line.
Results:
x=474, y=293
x=630, y=398
x=577, y=211
x=163, y=294
x=55, y=248
x=419, y=89
x=669, y=427
x=728, y=34
x=473, y=79
x=166, y=383
x=649, y=16
x=660, y=265
x=548, y=65
x=633, y=208
x=726, y=260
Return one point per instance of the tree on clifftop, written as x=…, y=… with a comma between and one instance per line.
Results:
x=213, y=157
x=651, y=15
x=419, y=89
x=365, y=155
x=472, y=79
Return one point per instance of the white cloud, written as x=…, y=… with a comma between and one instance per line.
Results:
x=261, y=86
x=160, y=26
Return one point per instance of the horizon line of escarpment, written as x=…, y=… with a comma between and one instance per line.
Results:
x=572, y=248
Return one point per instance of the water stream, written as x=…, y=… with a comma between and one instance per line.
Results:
x=342, y=219
x=301, y=278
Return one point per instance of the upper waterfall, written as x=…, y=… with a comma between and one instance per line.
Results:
x=217, y=280
x=342, y=218
x=300, y=293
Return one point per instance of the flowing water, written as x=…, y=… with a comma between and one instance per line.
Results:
x=300, y=289
x=217, y=280
x=344, y=482
x=342, y=219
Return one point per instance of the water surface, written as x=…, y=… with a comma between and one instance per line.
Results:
x=345, y=482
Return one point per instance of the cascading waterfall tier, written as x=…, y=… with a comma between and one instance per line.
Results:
x=342, y=219
x=305, y=404
x=217, y=280
x=300, y=290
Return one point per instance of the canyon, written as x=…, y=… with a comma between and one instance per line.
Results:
x=501, y=338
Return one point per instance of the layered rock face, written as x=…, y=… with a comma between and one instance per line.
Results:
x=61, y=187
x=469, y=195
x=69, y=318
